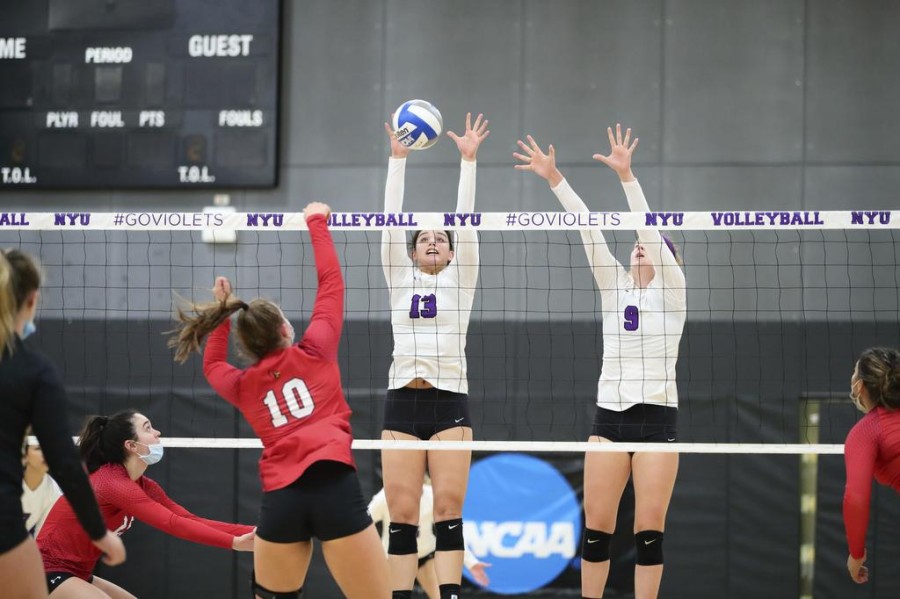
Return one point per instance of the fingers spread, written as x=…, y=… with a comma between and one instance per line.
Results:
x=526, y=148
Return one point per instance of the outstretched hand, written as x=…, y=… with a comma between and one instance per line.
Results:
x=479, y=574
x=398, y=150
x=221, y=289
x=112, y=547
x=244, y=542
x=469, y=141
x=858, y=572
x=620, y=152
x=316, y=208
x=535, y=160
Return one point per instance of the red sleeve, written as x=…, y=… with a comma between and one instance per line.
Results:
x=222, y=376
x=130, y=497
x=323, y=334
x=860, y=451
x=156, y=493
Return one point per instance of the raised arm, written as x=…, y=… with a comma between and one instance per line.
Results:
x=394, y=256
x=221, y=376
x=323, y=334
x=619, y=160
x=466, y=253
x=603, y=264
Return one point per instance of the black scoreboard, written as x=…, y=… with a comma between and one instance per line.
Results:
x=139, y=93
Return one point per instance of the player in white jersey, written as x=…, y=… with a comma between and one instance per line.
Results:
x=432, y=286
x=39, y=490
x=637, y=400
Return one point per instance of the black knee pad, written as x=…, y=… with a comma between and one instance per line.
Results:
x=257, y=590
x=401, y=595
x=402, y=539
x=595, y=545
x=449, y=535
x=648, y=546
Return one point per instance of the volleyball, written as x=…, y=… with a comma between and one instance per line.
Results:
x=417, y=124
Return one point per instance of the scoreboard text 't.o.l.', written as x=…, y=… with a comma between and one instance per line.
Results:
x=139, y=93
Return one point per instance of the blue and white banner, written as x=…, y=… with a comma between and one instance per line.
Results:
x=524, y=518
x=483, y=221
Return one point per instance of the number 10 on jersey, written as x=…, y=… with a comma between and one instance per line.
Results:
x=297, y=399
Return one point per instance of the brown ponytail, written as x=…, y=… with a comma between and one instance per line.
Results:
x=258, y=327
x=192, y=329
x=102, y=440
x=879, y=371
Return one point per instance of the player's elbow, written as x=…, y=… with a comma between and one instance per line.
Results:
x=333, y=280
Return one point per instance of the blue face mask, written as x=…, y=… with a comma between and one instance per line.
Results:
x=155, y=455
x=29, y=330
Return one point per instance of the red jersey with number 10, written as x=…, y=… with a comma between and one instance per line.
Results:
x=293, y=397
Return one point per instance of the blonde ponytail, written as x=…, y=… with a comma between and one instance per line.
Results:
x=7, y=307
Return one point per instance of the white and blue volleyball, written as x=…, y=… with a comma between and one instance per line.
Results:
x=417, y=124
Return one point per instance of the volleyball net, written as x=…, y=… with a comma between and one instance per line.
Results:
x=778, y=306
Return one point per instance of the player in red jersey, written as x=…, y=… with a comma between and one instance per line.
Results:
x=291, y=395
x=872, y=448
x=117, y=450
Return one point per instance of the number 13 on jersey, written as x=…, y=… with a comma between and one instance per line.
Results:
x=423, y=306
x=297, y=399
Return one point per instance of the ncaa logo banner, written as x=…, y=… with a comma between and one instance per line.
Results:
x=523, y=517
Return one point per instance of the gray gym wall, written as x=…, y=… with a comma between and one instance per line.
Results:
x=754, y=104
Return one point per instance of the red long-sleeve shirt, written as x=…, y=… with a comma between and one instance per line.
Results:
x=293, y=398
x=872, y=449
x=65, y=547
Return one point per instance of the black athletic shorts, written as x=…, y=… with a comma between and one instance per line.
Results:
x=425, y=559
x=325, y=503
x=643, y=423
x=425, y=412
x=54, y=579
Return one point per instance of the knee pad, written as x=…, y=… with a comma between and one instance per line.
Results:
x=401, y=595
x=449, y=535
x=595, y=545
x=257, y=590
x=648, y=546
x=402, y=539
